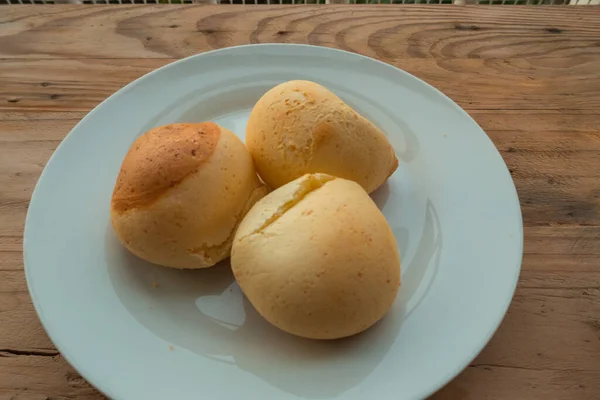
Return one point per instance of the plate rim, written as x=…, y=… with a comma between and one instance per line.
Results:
x=106, y=389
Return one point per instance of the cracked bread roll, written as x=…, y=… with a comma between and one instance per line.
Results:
x=181, y=193
x=317, y=258
x=301, y=127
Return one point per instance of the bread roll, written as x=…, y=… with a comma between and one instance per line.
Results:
x=301, y=127
x=181, y=193
x=317, y=258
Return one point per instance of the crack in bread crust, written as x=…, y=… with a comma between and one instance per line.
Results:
x=312, y=184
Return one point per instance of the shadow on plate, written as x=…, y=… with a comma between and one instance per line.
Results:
x=381, y=195
x=205, y=312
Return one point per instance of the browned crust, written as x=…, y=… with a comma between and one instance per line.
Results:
x=160, y=159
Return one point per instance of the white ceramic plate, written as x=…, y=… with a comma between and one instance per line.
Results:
x=451, y=204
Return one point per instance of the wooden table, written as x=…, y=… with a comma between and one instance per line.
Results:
x=529, y=75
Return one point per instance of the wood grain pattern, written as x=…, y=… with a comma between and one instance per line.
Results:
x=529, y=76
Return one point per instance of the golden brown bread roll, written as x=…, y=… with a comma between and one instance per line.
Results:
x=181, y=193
x=317, y=258
x=301, y=127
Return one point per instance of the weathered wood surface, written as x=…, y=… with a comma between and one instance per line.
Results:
x=529, y=75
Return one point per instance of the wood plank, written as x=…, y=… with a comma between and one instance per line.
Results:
x=66, y=85
x=80, y=84
x=561, y=315
x=491, y=382
x=388, y=34
x=54, y=379
x=522, y=65
x=21, y=329
x=566, y=320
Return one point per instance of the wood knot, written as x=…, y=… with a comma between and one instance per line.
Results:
x=554, y=30
x=594, y=324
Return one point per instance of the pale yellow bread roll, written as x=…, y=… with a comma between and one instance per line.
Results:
x=181, y=193
x=301, y=127
x=317, y=258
